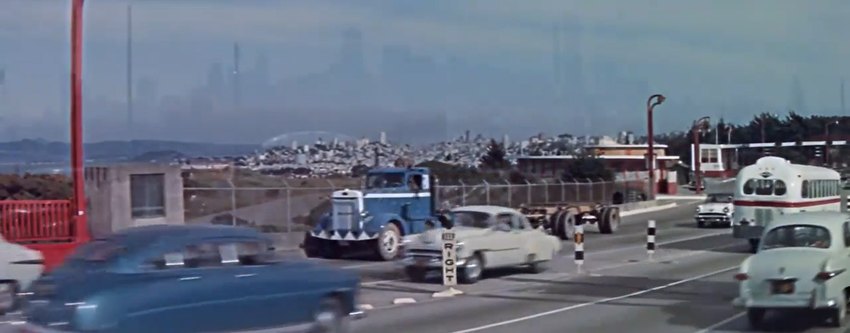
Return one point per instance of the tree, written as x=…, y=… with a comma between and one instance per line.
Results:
x=588, y=167
x=494, y=158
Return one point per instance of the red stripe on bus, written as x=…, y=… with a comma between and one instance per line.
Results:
x=784, y=204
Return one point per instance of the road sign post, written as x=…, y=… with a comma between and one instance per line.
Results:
x=579, y=247
x=449, y=261
x=650, y=239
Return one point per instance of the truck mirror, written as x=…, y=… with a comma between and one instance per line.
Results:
x=445, y=221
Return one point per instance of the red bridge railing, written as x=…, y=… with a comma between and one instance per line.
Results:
x=37, y=221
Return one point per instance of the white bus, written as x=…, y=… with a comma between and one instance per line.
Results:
x=774, y=186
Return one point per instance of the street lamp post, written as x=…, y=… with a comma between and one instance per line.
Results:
x=828, y=139
x=696, y=128
x=79, y=198
x=650, y=149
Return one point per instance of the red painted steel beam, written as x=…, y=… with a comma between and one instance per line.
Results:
x=77, y=161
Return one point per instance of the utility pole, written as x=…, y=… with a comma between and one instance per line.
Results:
x=130, y=129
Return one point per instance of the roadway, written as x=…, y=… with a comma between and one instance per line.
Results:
x=686, y=287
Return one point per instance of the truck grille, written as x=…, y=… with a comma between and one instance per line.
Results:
x=345, y=215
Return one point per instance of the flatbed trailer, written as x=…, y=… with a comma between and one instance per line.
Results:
x=560, y=219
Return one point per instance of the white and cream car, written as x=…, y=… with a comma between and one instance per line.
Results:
x=19, y=267
x=717, y=209
x=801, y=263
x=487, y=237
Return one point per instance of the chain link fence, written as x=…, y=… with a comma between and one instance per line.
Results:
x=292, y=208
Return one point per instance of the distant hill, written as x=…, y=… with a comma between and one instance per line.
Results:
x=31, y=151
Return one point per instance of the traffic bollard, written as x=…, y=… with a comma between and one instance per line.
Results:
x=579, y=247
x=650, y=239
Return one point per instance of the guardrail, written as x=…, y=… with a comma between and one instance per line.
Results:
x=36, y=221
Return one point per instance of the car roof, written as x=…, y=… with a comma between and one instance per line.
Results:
x=489, y=209
x=829, y=220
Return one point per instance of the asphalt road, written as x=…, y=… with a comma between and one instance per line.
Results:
x=686, y=287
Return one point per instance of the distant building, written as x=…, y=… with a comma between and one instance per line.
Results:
x=627, y=161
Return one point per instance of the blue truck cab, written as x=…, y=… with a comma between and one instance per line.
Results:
x=395, y=202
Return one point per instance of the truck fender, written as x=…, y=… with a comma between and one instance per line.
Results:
x=377, y=223
x=322, y=223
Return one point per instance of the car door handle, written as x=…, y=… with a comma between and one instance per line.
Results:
x=190, y=278
x=245, y=275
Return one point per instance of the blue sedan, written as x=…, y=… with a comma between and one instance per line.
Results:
x=199, y=278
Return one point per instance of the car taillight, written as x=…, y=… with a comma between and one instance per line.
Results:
x=741, y=276
x=826, y=275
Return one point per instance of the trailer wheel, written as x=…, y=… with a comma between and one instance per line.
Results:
x=567, y=225
x=610, y=221
x=554, y=221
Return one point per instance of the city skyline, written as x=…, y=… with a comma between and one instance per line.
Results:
x=554, y=71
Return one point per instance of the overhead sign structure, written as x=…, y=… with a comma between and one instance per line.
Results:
x=449, y=258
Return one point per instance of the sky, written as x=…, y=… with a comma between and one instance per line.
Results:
x=423, y=70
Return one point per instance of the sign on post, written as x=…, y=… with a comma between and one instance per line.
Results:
x=449, y=258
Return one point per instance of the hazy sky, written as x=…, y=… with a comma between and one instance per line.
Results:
x=722, y=57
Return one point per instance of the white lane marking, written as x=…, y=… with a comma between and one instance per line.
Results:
x=597, y=302
x=679, y=240
x=372, y=283
x=649, y=209
x=721, y=323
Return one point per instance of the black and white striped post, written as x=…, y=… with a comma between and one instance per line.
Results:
x=650, y=239
x=579, y=246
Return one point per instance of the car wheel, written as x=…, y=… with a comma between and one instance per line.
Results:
x=756, y=317
x=415, y=274
x=700, y=224
x=838, y=316
x=329, y=318
x=312, y=246
x=754, y=245
x=471, y=272
x=536, y=265
x=8, y=297
x=388, y=242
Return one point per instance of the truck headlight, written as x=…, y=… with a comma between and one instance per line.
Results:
x=726, y=210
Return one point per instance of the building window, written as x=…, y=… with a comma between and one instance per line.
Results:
x=147, y=195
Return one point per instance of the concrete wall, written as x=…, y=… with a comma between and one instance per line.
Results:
x=109, y=205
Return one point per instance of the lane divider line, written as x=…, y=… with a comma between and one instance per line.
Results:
x=405, y=300
x=597, y=302
x=649, y=209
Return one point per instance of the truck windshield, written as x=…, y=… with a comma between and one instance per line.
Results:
x=797, y=236
x=471, y=219
x=385, y=180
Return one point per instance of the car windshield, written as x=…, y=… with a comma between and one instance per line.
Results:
x=385, y=180
x=98, y=251
x=797, y=236
x=471, y=219
x=719, y=198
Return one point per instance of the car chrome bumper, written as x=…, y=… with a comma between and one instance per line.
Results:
x=712, y=218
x=428, y=263
x=747, y=231
x=789, y=302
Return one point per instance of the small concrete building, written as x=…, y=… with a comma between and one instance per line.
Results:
x=128, y=195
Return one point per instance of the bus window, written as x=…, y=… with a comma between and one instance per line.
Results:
x=764, y=187
x=779, y=188
x=805, y=189
x=749, y=186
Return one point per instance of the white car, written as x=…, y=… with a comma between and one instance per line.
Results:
x=801, y=263
x=19, y=267
x=717, y=209
x=487, y=237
